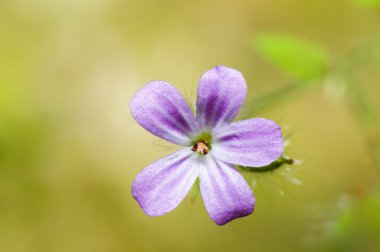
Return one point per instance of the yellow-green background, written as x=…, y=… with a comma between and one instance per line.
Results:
x=69, y=148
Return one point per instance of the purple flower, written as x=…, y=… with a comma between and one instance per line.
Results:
x=212, y=145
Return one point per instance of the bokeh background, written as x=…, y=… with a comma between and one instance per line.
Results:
x=69, y=148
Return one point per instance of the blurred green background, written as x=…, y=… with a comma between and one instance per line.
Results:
x=69, y=148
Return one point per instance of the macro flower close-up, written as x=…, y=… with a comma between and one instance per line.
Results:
x=191, y=126
x=212, y=145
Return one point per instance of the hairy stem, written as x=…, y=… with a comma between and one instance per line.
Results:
x=271, y=167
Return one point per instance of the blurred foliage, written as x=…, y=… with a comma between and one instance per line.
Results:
x=377, y=52
x=357, y=227
x=367, y=3
x=293, y=55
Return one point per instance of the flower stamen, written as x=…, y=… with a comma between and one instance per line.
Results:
x=201, y=147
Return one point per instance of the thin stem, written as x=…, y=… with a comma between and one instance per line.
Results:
x=271, y=167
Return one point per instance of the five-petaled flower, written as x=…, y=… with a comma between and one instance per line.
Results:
x=212, y=146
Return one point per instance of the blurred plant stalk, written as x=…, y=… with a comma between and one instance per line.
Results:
x=342, y=70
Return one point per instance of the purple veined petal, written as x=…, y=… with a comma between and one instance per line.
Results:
x=161, y=186
x=162, y=110
x=225, y=193
x=255, y=142
x=221, y=93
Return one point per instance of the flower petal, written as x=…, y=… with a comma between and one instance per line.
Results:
x=254, y=142
x=162, y=110
x=221, y=93
x=161, y=186
x=225, y=193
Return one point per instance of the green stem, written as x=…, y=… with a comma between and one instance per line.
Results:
x=271, y=167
